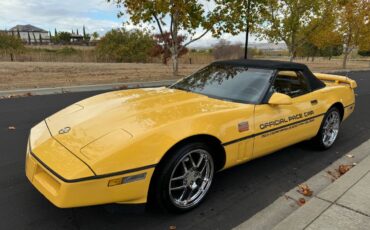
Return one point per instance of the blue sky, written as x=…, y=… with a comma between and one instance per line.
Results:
x=65, y=15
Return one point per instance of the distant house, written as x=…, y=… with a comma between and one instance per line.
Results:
x=30, y=34
x=76, y=38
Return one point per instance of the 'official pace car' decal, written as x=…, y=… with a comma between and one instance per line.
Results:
x=279, y=122
x=285, y=128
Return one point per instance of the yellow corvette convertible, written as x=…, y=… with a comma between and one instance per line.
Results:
x=163, y=145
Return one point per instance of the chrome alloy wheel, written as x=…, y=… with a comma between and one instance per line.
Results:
x=191, y=178
x=331, y=128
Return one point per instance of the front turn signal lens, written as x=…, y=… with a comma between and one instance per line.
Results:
x=126, y=180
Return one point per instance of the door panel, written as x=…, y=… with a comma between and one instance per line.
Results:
x=280, y=126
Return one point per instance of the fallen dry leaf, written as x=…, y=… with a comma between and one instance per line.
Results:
x=5, y=97
x=354, y=163
x=11, y=128
x=16, y=96
x=343, y=169
x=172, y=228
x=304, y=190
x=349, y=156
x=301, y=201
x=333, y=174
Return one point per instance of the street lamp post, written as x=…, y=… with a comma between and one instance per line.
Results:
x=247, y=30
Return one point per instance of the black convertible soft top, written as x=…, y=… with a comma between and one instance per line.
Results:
x=314, y=82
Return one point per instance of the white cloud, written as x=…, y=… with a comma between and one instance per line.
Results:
x=65, y=15
x=209, y=40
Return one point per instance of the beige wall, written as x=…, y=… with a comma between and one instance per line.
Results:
x=24, y=36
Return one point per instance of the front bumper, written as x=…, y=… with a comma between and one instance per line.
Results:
x=86, y=192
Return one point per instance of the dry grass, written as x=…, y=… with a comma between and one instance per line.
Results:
x=17, y=75
x=58, y=47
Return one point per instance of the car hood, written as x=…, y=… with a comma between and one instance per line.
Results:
x=131, y=112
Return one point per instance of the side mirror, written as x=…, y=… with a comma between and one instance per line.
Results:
x=280, y=99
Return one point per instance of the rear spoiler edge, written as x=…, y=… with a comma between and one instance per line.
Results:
x=337, y=79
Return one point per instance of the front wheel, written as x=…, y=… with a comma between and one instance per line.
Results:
x=329, y=129
x=185, y=178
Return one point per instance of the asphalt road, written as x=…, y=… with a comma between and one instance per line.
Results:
x=237, y=194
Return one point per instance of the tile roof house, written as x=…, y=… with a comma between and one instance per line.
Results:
x=27, y=28
x=30, y=34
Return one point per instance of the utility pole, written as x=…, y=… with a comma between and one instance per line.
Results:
x=247, y=30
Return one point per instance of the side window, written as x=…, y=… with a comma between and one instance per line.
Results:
x=291, y=83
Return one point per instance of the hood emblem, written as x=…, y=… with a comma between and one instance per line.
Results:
x=65, y=130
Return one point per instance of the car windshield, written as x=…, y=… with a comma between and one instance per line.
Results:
x=228, y=82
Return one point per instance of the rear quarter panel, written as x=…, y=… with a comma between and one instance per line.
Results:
x=338, y=93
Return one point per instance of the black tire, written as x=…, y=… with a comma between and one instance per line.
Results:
x=318, y=141
x=159, y=194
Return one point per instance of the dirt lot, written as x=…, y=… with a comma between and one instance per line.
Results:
x=48, y=74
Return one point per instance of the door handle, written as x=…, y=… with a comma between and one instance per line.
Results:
x=314, y=102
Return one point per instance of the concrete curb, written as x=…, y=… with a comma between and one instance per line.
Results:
x=83, y=88
x=281, y=213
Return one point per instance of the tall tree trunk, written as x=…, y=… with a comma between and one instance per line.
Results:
x=164, y=59
x=175, y=65
x=345, y=58
x=292, y=48
x=11, y=57
x=292, y=53
x=175, y=47
x=347, y=49
x=175, y=59
x=331, y=53
x=314, y=55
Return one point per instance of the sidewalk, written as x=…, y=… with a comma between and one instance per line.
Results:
x=345, y=204
x=342, y=204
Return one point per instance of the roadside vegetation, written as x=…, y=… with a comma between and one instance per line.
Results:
x=10, y=46
x=312, y=30
x=125, y=46
x=318, y=26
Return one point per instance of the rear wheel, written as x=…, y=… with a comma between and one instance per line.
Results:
x=329, y=129
x=184, y=179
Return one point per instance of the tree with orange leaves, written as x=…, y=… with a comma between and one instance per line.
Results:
x=353, y=25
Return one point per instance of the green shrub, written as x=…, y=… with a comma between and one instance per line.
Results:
x=10, y=45
x=365, y=53
x=125, y=46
